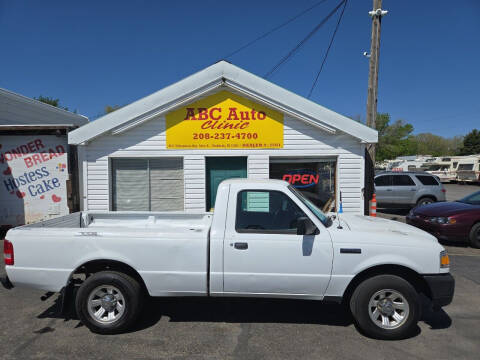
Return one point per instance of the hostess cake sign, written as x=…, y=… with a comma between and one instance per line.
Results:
x=33, y=175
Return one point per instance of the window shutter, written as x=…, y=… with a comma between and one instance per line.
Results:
x=130, y=185
x=166, y=184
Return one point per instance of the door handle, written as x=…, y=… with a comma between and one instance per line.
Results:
x=389, y=190
x=241, y=245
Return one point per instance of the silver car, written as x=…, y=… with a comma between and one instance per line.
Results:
x=408, y=189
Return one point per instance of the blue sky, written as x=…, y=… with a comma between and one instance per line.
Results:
x=93, y=53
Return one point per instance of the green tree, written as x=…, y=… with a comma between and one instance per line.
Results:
x=393, y=139
x=109, y=109
x=471, y=143
x=51, y=101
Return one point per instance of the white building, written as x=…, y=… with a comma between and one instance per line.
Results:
x=169, y=150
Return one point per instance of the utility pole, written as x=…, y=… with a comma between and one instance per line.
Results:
x=376, y=15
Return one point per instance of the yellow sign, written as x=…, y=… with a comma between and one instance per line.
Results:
x=224, y=121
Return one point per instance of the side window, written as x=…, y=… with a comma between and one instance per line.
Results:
x=427, y=180
x=385, y=180
x=403, y=180
x=266, y=212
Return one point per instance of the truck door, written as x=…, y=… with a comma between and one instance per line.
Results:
x=263, y=255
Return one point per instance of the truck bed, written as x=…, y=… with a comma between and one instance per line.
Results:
x=165, y=221
x=169, y=250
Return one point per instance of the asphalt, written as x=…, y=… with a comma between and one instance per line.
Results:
x=198, y=328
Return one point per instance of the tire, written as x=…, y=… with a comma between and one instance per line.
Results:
x=382, y=287
x=474, y=236
x=114, y=292
x=425, y=201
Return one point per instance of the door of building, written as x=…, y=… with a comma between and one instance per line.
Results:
x=222, y=168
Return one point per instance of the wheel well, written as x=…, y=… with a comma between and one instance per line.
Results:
x=404, y=272
x=95, y=266
x=433, y=197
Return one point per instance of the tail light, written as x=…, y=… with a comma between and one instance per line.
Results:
x=444, y=190
x=8, y=252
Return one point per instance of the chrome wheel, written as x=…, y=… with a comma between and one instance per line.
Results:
x=106, y=304
x=388, y=309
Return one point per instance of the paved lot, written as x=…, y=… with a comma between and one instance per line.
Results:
x=245, y=329
x=241, y=329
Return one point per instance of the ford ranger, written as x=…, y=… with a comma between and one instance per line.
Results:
x=264, y=240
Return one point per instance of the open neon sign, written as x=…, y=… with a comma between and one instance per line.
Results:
x=302, y=178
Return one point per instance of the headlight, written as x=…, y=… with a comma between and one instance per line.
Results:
x=444, y=260
x=442, y=220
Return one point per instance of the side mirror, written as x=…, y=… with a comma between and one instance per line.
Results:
x=305, y=226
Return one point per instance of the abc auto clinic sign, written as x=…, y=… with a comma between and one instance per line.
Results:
x=224, y=121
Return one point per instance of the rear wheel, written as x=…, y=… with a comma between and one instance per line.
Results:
x=475, y=236
x=385, y=307
x=108, y=302
x=425, y=201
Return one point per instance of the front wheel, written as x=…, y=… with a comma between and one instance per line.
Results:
x=425, y=201
x=108, y=302
x=385, y=307
x=475, y=236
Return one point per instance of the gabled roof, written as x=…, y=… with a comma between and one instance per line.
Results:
x=20, y=111
x=221, y=75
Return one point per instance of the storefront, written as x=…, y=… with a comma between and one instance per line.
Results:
x=170, y=150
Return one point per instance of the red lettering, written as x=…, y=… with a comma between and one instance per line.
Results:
x=244, y=115
x=253, y=114
x=232, y=115
x=190, y=114
x=28, y=162
x=244, y=125
x=287, y=177
x=296, y=177
x=305, y=179
x=202, y=114
x=44, y=156
x=212, y=115
x=39, y=144
x=36, y=158
x=261, y=115
x=52, y=153
x=31, y=146
x=314, y=179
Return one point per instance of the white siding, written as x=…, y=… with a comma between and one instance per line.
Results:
x=149, y=140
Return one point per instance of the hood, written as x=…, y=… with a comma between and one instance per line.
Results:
x=444, y=208
x=378, y=226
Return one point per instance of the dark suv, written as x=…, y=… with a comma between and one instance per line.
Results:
x=408, y=189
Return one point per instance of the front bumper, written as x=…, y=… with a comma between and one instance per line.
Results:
x=442, y=288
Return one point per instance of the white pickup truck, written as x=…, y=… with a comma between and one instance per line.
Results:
x=264, y=240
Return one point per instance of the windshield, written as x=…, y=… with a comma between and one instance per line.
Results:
x=316, y=211
x=472, y=199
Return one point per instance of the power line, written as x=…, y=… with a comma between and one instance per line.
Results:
x=328, y=50
x=275, y=28
x=303, y=41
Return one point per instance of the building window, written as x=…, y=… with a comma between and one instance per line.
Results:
x=314, y=178
x=147, y=184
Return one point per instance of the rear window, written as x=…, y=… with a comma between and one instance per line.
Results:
x=427, y=180
x=403, y=180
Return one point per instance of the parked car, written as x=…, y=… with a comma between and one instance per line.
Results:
x=408, y=189
x=454, y=221
x=265, y=239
